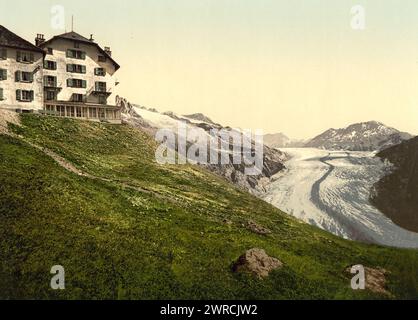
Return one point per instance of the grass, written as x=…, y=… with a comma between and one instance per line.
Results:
x=168, y=243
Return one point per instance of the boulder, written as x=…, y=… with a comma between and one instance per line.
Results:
x=375, y=280
x=257, y=262
x=256, y=228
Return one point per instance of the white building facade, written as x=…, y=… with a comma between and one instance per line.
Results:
x=66, y=76
x=21, y=73
x=79, y=78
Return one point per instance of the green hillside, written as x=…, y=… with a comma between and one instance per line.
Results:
x=132, y=229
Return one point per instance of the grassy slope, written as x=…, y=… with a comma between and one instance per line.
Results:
x=397, y=193
x=118, y=243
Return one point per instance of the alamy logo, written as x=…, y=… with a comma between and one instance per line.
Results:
x=358, y=19
x=358, y=282
x=58, y=280
x=218, y=147
x=57, y=17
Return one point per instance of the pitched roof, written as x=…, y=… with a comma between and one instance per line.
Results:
x=74, y=36
x=12, y=40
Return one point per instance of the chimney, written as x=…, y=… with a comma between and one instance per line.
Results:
x=108, y=51
x=91, y=38
x=39, y=39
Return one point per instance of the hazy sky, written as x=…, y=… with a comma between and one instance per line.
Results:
x=287, y=66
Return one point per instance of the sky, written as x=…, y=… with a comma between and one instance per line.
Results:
x=288, y=66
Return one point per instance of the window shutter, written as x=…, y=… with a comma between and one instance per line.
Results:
x=31, y=77
x=68, y=67
x=45, y=64
x=84, y=83
x=17, y=76
x=83, y=55
x=3, y=74
x=18, y=56
x=69, y=83
x=1, y=94
x=83, y=69
x=54, y=65
x=18, y=95
x=31, y=57
x=31, y=95
x=96, y=71
x=69, y=53
x=96, y=86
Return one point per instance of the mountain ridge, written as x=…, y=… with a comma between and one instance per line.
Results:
x=151, y=120
x=362, y=136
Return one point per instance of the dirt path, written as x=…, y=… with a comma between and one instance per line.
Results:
x=12, y=117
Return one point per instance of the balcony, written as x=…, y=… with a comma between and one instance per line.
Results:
x=52, y=85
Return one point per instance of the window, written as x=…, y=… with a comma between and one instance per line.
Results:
x=76, y=54
x=76, y=68
x=1, y=94
x=24, y=57
x=100, y=86
x=102, y=99
x=24, y=95
x=51, y=95
x=61, y=111
x=76, y=83
x=22, y=76
x=3, y=54
x=50, y=51
x=50, y=81
x=3, y=74
x=76, y=45
x=102, y=58
x=78, y=97
x=93, y=112
x=50, y=65
x=100, y=72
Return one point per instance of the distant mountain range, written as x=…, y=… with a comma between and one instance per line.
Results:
x=364, y=136
x=280, y=140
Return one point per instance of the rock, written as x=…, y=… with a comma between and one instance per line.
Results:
x=257, y=262
x=375, y=280
x=256, y=228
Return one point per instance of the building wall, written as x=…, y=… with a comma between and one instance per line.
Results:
x=91, y=62
x=9, y=86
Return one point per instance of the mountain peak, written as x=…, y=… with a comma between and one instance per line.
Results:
x=362, y=136
x=199, y=117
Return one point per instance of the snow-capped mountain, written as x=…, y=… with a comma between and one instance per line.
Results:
x=150, y=120
x=365, y=136
x=280, y=140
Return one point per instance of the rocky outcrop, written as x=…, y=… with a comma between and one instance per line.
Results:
x=257, y=262
x=375, y=280
x=257, y=228
x=396, y=194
